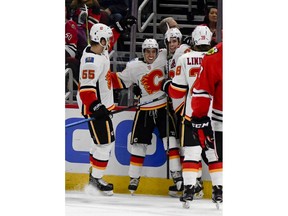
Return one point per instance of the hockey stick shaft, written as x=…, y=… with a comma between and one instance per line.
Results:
x=78, y=122
x=87, y=26
x=118, y=111
x=140, y=104
x=167, y=112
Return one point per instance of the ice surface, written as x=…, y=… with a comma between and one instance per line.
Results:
x=79, y=203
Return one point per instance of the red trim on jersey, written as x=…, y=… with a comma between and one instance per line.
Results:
x=176, y=92
x=88, y=96
x=116, y=82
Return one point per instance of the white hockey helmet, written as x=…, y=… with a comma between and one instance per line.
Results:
x=150, y=43
x=201, y=35
x=99, y=31
x=172, y=33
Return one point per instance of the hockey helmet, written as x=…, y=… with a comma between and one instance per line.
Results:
x=150, y=43
x=201, y=35
x=172, y=33
x=99, y=31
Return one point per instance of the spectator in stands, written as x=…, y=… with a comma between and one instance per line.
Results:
x=201, y=9
x=79, y=11
x=71, y=40
x=210, y=20
x=115, y=10
x=86, y=13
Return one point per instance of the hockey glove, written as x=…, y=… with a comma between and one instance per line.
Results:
x=165, y=85
x=82, y=17
x=137, y=91
x=99, y=111
x=125, y=24
x=187, y=40
x=203, y=131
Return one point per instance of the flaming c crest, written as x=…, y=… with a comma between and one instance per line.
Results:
x=148, y=81
x=108, y=78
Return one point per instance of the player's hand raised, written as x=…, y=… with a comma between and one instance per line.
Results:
x=125, y=24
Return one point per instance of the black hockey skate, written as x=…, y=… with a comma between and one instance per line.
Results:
x=187, y=197
x=177, y=179
x=133, y=185
x=101, y=185
x=199, y=189
x=217, y=195
x=174, y=192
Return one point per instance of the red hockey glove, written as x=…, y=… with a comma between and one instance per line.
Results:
x=99, y=111
x=203, y=131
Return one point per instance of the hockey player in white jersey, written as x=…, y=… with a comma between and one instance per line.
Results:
x=188, y=66
x=173, y=38
x=148, y=73
x=95, y=99
x=172, y=41
x=175, y=49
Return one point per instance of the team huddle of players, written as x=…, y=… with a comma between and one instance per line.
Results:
x=184, y=79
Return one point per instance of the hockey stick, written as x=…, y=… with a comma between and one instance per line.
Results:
x=167, y=110
x=118, y=111
x=87, y=29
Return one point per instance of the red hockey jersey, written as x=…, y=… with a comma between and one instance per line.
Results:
x=208, y=85
x=71, y=37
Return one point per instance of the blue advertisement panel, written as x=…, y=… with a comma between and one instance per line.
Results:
x=122, y=155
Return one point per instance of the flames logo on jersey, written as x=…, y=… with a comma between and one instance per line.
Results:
x=109, y=79
x=148, y=81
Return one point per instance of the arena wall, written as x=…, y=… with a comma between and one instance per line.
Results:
x=154, y=173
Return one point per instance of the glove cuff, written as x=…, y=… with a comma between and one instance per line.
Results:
x=201, y=122
x=165, y=85
x=118, y=27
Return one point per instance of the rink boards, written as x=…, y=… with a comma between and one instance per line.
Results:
x=154, y=171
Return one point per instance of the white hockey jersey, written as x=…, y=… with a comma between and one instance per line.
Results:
x=95, y=80
x=184, y=48
x=187, y=68
x=147, y=76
